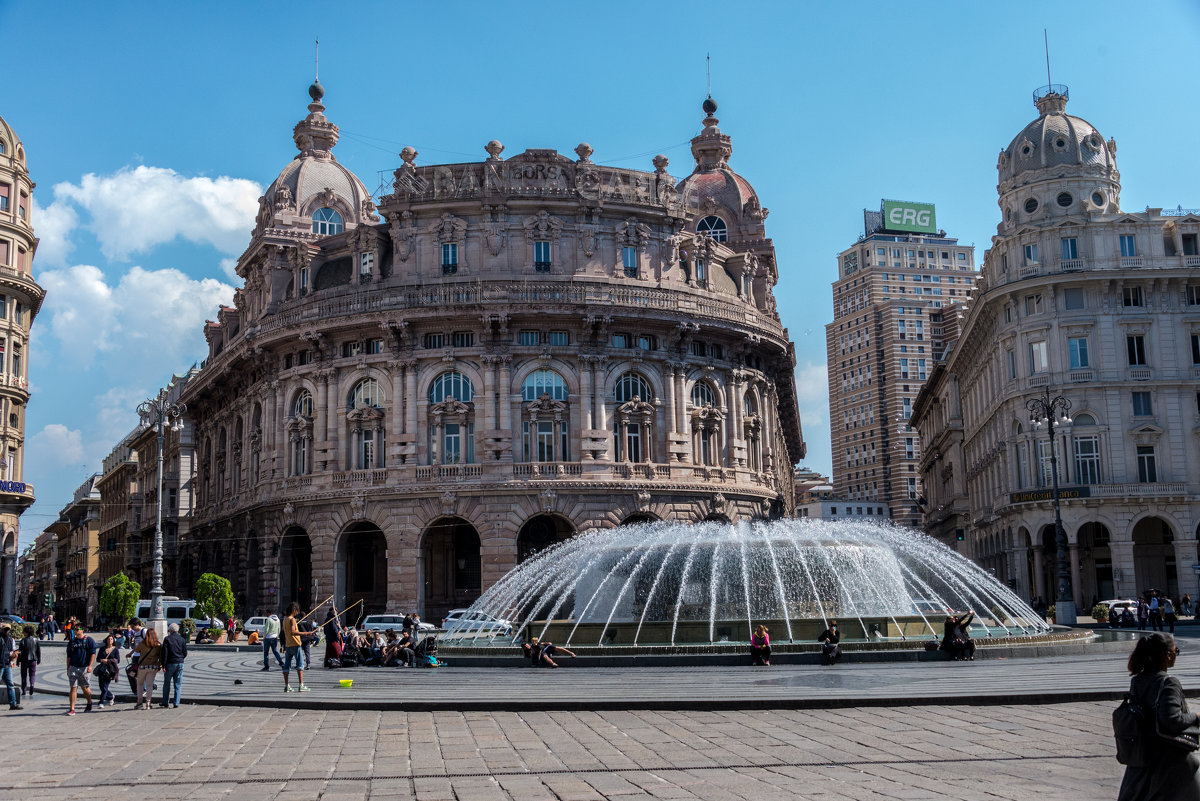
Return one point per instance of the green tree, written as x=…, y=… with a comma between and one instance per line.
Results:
x=119, y=597
x=214, y=596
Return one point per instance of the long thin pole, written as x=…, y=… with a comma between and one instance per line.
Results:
x=314, y=609
x=1046, y=37
x=156, y=591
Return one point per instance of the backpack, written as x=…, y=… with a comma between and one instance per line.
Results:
x=1130, y=729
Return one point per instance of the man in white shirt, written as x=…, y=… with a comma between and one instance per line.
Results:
x=270, y=635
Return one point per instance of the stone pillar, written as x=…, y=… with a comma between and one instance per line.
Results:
x=1019, y=565
x=322, y=405
x=332, y=433
x=681, y=399
x=1124, y=576
x=1185, y=557
x=396, y=422
x=269, y=460
x=489, y=392
x=1076, y=590
x=585, y=392
x=410, y=397
x=505, y=391
x=671, y=410
x=1039, y=577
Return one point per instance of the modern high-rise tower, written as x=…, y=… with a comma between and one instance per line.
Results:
x=20, y=299
x=899, y=296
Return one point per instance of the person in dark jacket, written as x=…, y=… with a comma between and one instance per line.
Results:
x=308, y=638
x=29, y=656
x=333, y=636
x=174, y=651
x=110, y=656
x=831, y=652
x=8, y=655
x=956, y=639
x=1169, y=772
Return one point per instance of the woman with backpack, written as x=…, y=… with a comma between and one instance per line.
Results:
x=1170, y=770
x=108, y=662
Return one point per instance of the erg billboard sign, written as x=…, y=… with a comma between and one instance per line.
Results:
x=916, y=218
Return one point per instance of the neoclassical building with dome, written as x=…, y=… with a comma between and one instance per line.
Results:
x=413, y=393
x=1101, y=306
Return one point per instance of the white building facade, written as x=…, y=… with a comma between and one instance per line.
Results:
x=1098, y=305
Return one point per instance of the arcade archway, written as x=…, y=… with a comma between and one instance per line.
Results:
x=1154, y=556
x=295, y=569
x=540, y=533
x=452, y=566
x=362, y=569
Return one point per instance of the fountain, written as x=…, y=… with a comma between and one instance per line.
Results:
x=697, y=586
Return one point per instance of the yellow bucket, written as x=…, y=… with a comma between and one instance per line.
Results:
x=347, y=682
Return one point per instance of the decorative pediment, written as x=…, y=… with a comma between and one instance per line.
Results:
x=545, y=406
x=1146, y=434
x=632, y=233
x=542, y=226
x=299, y=424
x=707, y=416
x=366, y=414
x=636, y=406
x=450, y=407
x=449, y=228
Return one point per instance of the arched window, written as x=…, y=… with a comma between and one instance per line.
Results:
x=714, y=226
x=366, y=393
x=707, y=423
x=544, y=431
x=451, y=385
x=303, y=406
x=631, y=385
x=752, y=424
x=1084, y=419
x=327, y=221
x=634, y=418
x=451, y=419
x=544, y=382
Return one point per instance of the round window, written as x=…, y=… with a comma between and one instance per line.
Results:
x=1097, y=199
x=1027, y=151
x=1064, y=199
x=1060, y=143
x=1031, y=205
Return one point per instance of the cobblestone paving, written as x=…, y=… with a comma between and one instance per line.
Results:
x=1056, y=751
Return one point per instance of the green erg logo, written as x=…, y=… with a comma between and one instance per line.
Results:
x=915, y=217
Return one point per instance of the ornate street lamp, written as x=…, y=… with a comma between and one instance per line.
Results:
x=1047, y=411
x=160, y=413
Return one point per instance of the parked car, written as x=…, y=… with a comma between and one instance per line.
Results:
x=254, y=624
x=1117, y=607
x=175, y=610
x=393, y=622
x=466, y=621
x=12, y=620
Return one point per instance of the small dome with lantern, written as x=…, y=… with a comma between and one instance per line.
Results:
x=719, y=201
x=1056, y=143
x=314, y=189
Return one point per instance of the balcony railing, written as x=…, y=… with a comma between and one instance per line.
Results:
x=1072, y=265
x=1147, y=490
x=1081, y=375
x=360, y=478
x=1133, y=261
x=547, y=470
x=1139, y=373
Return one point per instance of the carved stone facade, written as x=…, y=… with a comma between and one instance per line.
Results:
x=398, y=411
x=1101, y=306
x=20, y=300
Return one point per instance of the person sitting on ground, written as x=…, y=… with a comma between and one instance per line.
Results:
x=404, y=649
x=956, y=640
x=541, y=653
x=831, y=652
x=760, y=646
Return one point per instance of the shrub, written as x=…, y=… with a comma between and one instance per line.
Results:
x=1100, y=611
x=187, y=628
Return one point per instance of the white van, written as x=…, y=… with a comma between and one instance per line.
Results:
x=174, y=610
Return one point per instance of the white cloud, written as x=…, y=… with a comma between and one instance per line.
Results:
x=134, y=210
x=57, y=446
x=54, y=225
x=812, y=392
x=229, y=267
x=157, y=314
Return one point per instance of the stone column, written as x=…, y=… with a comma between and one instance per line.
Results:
x=671, y=409
x=1124, y=576
x=585, y=391
x=269, y=460
x=396, y=422
x=332, y=433
x=505, y=392
x=1076, y=590
x=1039, y=578
x=410, y=396
x=489, y=392
x=1019, y=565
x=322, y=404
x=1185, y=557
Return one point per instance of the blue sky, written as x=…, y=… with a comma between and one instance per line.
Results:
x=152, y=128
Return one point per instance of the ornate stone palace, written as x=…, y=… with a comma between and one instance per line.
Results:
x=20, y=299
x=1101, y=306
x=408, y=399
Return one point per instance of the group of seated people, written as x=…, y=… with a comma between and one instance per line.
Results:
x=378, y=648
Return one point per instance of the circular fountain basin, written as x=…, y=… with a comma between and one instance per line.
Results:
x=709, y=585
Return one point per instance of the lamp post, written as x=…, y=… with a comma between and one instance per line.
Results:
x=1047, y=411
x=161, y=413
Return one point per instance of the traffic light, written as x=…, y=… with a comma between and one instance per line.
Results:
x=960, y=534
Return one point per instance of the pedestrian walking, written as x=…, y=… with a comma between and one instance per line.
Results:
x=271, y=642
x=1143, y=614
x=150, y=654
x=1170, y=772
x=108, y=667
x=291, y=650
x=8, y=658
x=1185, y=605
x=1168, y=613
x=29, y=656
x=174, y=651
x=81, y=658
x=1156, y=618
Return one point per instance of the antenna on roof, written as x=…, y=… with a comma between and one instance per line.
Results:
x=708, y=72
x=317, y=60
x=1046, y=38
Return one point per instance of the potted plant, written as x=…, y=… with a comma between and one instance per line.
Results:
x=1100, y=613
x=187, y=629
x=214, y=598
x=1050, y=613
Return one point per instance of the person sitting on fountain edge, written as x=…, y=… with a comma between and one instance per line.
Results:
x=760, y=646
x=541, y=653
x=831, y=652
x=957, y=638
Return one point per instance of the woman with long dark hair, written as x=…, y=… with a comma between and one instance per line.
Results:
x=149, y=664
x=1171, y=771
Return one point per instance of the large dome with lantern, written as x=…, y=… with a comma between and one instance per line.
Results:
x=1056, y=143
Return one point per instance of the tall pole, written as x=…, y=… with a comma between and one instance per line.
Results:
x=160, y=412
x=1047, y=410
